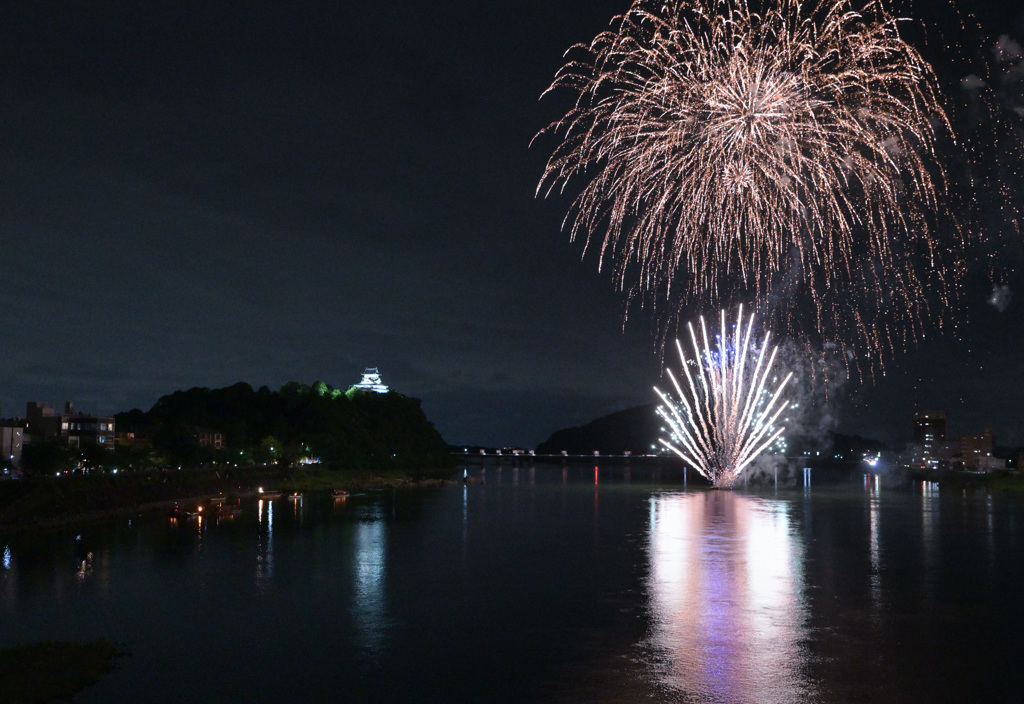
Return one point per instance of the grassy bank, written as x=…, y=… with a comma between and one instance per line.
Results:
x=49, y=671
x=55, y=501
x=1007, y=482
x=1000, y=481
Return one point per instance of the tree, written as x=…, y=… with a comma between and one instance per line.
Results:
x=43, y=459
x=270, y=450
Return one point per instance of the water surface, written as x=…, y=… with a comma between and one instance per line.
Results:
x=546, y=585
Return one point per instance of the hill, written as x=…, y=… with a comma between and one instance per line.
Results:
x=637, y=429
x=350, y=429
x=634, y=430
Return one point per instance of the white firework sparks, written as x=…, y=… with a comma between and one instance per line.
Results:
x=781, y=151
x=724, y=416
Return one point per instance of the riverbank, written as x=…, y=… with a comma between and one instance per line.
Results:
x=39, y=504
x=1001, y=481
x=52, y=671
x=1007, y=482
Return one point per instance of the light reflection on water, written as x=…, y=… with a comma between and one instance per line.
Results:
x=930, y=515
x=264, y=545
x=7, y=582
x=726, y=590
x=370, y=603
x=874, y=485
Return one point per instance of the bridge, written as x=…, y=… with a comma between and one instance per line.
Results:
x=523, y=457
x=796, y=469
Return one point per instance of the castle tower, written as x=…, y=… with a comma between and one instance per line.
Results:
x=371, y=381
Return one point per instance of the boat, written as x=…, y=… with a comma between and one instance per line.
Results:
x=295, y=495
x=339, y=493
x=218, y=499
x=268, y=494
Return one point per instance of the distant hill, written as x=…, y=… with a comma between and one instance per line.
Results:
x=634, y=429
x=854, y=446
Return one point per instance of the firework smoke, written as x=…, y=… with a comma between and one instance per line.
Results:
x=785, y=155
x=725, y=415
x=1001, y=298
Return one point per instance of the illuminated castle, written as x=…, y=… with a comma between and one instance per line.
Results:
x=371, y=381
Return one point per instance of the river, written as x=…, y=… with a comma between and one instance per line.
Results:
x=545, y=585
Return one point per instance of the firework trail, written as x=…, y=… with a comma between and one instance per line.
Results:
x=987, y=172
x=784, y=154
x=724, y=416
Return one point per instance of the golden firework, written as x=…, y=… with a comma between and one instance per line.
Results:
x=784, y=152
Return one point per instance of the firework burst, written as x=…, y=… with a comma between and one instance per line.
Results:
x=724, y=416
x=784, y=154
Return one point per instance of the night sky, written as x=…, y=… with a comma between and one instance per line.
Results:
x=200, y=193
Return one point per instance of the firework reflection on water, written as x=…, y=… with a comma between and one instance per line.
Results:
x=726, y=590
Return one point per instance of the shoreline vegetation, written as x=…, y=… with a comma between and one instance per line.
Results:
x=1000, y=481
x=195, y=444
x=53, y=670
x=54, y=502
